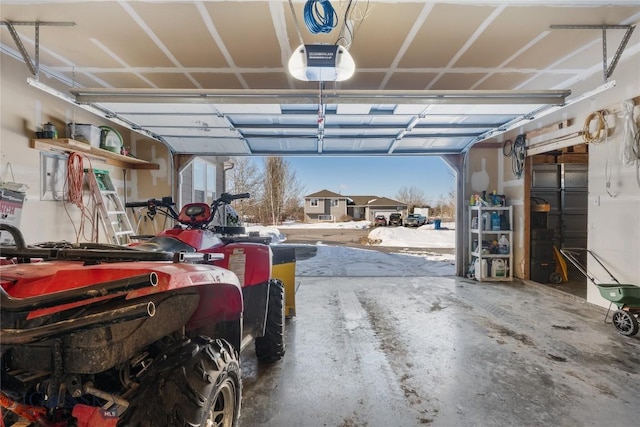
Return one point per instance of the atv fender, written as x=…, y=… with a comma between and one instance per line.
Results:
x=218, y=302
x=251, y=262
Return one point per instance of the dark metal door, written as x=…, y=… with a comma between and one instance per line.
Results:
x=565, y=187
x=574, y=197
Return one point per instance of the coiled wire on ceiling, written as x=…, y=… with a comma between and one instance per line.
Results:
x=320, y=16
x=517, y=151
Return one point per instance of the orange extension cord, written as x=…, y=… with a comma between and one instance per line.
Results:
x=75, y=192
x=75, y=180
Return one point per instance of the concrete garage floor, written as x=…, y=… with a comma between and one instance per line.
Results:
x=411, y=351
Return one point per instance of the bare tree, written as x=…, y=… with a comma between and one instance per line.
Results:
x=274, y=182
x=445, y=207
x=293, y=203
x=282, y=191
x=245, y=177
x=412, y=196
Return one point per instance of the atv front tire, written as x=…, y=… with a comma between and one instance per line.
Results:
x=199, y=385
x=271, y=347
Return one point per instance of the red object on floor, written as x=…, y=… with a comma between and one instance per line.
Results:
x=91, y=416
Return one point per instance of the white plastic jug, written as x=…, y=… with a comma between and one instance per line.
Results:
x=498, y=268
x=503, y=245
x=486, y=221
x=480, y=269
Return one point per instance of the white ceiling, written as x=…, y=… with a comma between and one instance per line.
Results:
x=210, y=78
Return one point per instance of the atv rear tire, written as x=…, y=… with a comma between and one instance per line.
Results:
x=271, y=347
x=199, y=385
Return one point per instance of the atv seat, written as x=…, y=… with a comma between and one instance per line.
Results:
x=195, y=214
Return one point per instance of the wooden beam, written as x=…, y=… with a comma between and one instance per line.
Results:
x=548, y=129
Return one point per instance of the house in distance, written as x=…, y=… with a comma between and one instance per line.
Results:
x=326, y=205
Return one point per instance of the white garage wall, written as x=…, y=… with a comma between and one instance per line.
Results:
x=22, y=110
x=614, y=213
x=613, y=222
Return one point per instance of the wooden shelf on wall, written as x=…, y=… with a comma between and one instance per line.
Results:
x=71, y=145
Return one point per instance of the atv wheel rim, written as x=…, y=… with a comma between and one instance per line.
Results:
x=223, y=409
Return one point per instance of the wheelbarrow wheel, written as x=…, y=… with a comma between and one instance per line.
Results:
x=555, y=278
x=625, y=323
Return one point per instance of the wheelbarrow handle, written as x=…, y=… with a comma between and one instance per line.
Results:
x=602, y=265
x=571, y=255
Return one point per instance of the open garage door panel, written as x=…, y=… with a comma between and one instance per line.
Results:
x=289, y=123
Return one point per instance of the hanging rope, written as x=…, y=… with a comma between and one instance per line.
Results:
x=601, y=131
x=599, y=136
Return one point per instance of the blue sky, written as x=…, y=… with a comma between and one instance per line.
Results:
x=379, y=176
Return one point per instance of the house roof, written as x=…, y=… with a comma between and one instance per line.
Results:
x=382, y=201
x=358, y=200
x=325, y=194
x=375, y=201
x=362, y=200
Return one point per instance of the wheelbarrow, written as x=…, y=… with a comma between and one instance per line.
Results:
x=625, y=296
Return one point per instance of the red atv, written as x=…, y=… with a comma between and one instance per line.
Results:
x=101, y=335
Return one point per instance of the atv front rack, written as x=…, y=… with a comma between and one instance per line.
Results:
x=91, y=252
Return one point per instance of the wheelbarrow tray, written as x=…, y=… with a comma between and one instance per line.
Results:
x=621, y=294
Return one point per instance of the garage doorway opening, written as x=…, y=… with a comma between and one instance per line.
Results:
x=558, y=216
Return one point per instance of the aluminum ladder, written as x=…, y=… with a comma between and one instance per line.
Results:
x=108, y=208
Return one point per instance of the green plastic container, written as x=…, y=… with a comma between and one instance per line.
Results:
x=627, y=295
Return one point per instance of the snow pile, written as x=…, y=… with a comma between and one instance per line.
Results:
x=361, y=225
x=267, y=231
x=422, y=237
x=403, y=237
x=341, y=261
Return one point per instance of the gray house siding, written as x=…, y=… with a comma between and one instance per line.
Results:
x=356, y=207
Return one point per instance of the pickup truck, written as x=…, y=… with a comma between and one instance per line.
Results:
x=395, y=219
x=415, y=220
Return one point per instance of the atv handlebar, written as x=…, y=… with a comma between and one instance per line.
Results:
x=165, y=202
x=136, y=204
x=226, y=198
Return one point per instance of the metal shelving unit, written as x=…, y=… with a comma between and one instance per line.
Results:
x=478, y=233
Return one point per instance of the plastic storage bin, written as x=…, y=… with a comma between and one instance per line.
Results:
x=85, y=133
